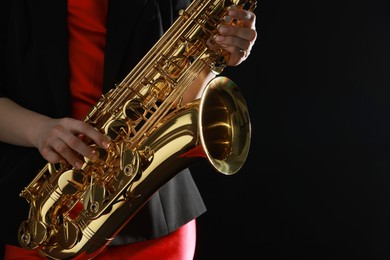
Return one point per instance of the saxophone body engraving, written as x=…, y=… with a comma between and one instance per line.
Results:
x=76, y=213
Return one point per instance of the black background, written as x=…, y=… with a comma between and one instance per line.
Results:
x=316, y=184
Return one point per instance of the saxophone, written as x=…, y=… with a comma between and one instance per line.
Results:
x=77, y=212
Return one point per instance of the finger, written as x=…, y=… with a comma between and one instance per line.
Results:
x=62, y=143
x=54, y=150
x=236, y=55
x=89, y=132
x=238, y=43
x=240, y=17
x=51, y=156
x=46, y=146
x=66, y=152
x=238, y=32
x=80, y=134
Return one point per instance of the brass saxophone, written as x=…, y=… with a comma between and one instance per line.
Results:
x=76, y=213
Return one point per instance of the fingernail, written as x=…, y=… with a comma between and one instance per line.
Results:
x=94, y=155
x=62, y=163
x=105, y=144
x=219, y=38
x=227, y=19
x=222, y=29
x=78, y=165
x=232, y=13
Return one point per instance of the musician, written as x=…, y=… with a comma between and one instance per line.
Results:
x=57, y=58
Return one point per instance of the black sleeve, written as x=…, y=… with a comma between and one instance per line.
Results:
x=170, y=10
x=4, y=16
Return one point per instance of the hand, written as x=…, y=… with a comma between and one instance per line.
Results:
x=61, y=139
x=237, y=35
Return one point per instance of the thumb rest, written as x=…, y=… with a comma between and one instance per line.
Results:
x=76, y=213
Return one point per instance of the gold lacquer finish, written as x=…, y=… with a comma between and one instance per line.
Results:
x=76, y=213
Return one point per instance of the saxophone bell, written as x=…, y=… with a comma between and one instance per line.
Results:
x=224, y=125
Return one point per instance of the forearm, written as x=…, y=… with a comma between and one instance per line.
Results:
x=18, y=125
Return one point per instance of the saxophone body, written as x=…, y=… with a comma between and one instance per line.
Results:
x=76, y=213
